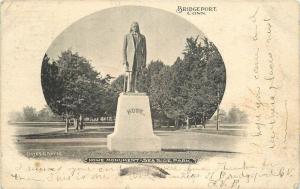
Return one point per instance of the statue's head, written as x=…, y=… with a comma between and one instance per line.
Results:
x=134, y=27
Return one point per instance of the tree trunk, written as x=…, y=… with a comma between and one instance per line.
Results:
x=203, y=123
x=75, y=123
x=218, y=107
x=159, y=122
x=218, y=110
x=153, y=123
x=67, y=125
x=187, y=122
x=203, y=120
x=80, y=122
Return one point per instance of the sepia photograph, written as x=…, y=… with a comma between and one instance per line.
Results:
x=111, y=94
x=136, y=94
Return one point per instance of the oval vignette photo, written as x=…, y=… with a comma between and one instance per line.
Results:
x=131, y=82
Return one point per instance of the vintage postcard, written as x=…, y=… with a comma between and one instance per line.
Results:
x=149, y=94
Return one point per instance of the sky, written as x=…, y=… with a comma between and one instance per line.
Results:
x=99, y=37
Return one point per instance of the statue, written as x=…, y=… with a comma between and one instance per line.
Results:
x=134, y=56
x=133, y=129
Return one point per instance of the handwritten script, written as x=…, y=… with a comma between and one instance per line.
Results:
x=264, y=68
x=223, y=175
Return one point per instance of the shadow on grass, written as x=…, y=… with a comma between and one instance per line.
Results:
x=87, y=133
x=83, y=152
x=191, y=150
x=103, y=132
x=221, y=132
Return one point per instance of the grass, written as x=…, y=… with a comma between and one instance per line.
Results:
x=221, y=132
x=35, y=142
x=82, y=152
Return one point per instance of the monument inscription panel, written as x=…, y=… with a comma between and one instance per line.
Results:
x=133, y=128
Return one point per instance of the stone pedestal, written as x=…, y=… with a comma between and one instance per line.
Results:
x=133, y=127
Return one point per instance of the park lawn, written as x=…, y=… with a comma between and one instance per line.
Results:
x=61, y=152
x=229, y=132
x=91, y=142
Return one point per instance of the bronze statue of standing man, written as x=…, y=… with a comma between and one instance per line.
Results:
x=134, y=56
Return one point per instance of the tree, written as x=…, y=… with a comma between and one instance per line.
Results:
x=72, y=88
x=16, y=116
x=191, y=89
x=46, y=114
x=219, y=117
x=179, y=91
x=52, y=84
x=198, y=87
x=222, y=115
x=117, y=86
x=235, y=115
x=159, y=91
x=29, y=114
x=147, y=75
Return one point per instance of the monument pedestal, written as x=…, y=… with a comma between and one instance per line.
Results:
x=133, y=127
